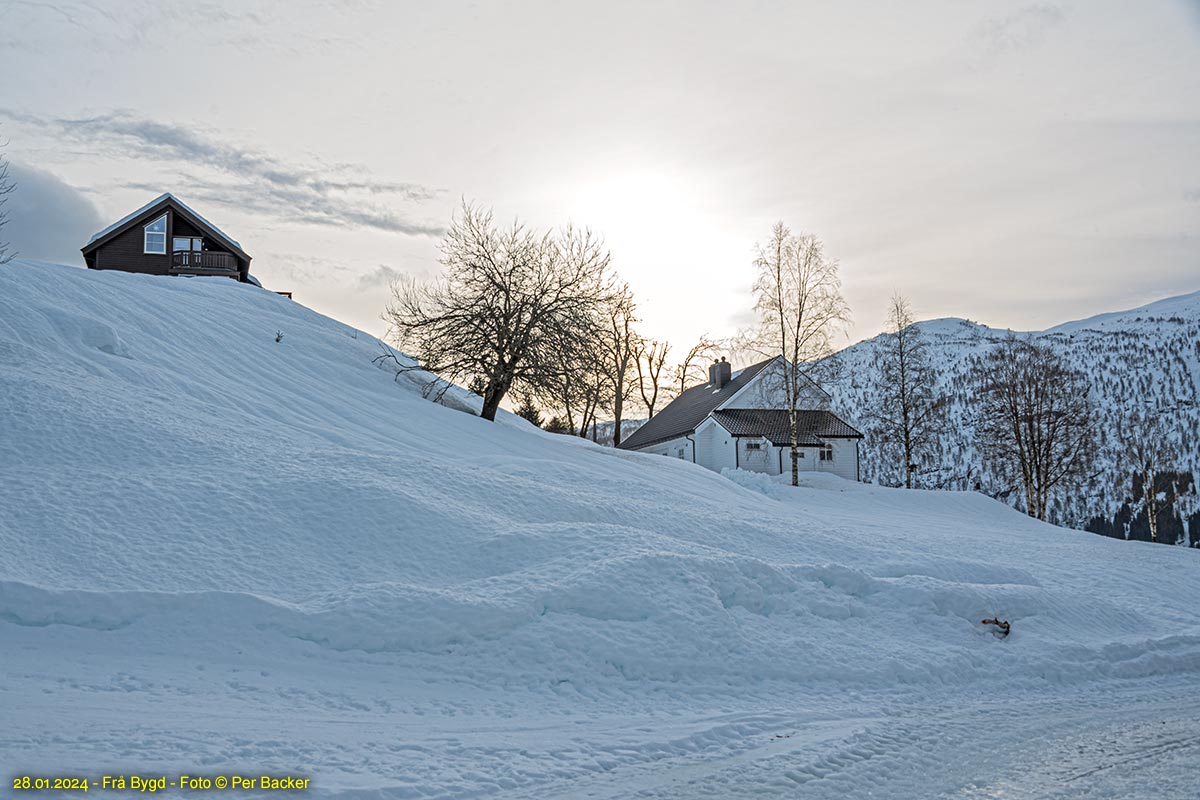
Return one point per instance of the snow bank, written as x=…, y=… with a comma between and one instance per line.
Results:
x=174, y=481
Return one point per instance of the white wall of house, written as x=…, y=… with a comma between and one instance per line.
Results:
x=773, y=460
x=757, y=455
x=714, y=446
x=844, y=461
x=716, y=449
x=679, y=447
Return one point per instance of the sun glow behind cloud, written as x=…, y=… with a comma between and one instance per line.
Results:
x=670, y=241
x=1018, y=165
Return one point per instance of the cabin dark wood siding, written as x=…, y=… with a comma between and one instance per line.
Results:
x=185, y=228
x=124, y=252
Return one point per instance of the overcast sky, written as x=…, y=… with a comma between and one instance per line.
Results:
x=1019, y=164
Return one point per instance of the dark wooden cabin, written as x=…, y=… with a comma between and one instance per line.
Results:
x=165, y=237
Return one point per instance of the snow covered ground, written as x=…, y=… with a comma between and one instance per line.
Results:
x=222, y=554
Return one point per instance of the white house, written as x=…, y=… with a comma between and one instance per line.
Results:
x=741, y=420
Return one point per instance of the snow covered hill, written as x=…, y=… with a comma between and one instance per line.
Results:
x=222, y=553
x=1147, y=358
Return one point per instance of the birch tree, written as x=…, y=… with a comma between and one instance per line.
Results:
x=911, y=414
x=1145, y=441
x=1035, y=418
x=800, y=308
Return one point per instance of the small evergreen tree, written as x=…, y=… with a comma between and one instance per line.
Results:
x=528, y=411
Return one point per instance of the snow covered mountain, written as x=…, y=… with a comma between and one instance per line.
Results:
x=225, y=552
x=1147, y=357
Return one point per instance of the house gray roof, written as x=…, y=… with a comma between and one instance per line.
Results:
x=688, y=410
x=161, y=199
x=772, y=423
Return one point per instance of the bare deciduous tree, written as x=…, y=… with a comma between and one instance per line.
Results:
x=1145, y=439
x=651, y=359
x=694, y=366
x=800, y=309
x=1035, y=418
x=573, y=392
x=514, y=306
x=619, y=347
x=910, y=414
x=581, y=388
x=6, y=188
x=597, y=394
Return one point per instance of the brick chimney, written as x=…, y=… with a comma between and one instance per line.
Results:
x=719, y=373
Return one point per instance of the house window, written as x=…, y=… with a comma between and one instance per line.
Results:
x=827, y=452
x=681, y=452
x=156, y=237
x=186, y=251
x=753, y=446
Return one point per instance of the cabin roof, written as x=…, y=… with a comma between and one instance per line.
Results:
x=688, y=410
x=165, y=199
x=773, y=424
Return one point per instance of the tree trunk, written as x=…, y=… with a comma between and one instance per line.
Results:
x=617, y=404
x=795, y=452
x=491, y=402
x=1151, y=501
x=908, y=465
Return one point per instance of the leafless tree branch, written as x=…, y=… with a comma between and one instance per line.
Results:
x=515, y=307
x=1035, y=418
x=799, y=304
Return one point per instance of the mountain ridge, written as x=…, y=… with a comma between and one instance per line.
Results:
x=1143, y=357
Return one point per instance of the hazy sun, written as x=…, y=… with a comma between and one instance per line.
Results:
x=637, y=206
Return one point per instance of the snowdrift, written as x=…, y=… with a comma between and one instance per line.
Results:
x=176, y=483
x=165, y=457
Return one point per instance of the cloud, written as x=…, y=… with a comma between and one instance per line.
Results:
x=49, y=220
x=107, y=27
x=379, y=277
x=1022, y=29
x=331, y=194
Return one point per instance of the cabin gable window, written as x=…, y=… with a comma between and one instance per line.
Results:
x=155, y=242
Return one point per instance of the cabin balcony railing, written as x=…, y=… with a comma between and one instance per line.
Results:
x=214, y=261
